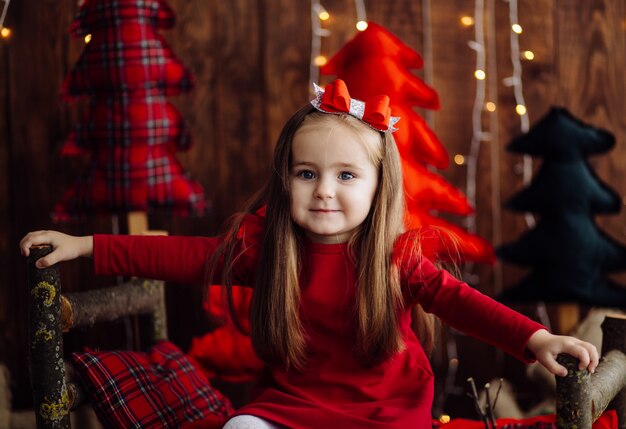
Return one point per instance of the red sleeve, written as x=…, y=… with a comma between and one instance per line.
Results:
x=170, y=258
x=177, y=259
x=464, y=308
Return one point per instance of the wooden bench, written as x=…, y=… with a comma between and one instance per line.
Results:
x=51, y=314
x=582, y=397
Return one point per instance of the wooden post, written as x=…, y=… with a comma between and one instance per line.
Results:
x=573, y=405
x=51, y=398
x=614, y=338
x=582, y=398
x=157, y=320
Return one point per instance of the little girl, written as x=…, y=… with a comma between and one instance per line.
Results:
x=335, y=278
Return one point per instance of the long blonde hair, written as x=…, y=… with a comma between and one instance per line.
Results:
x=276, y=329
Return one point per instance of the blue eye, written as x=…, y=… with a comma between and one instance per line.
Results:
x=344, y=175
x=306, y=174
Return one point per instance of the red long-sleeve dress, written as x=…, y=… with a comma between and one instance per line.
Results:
x=335, y=389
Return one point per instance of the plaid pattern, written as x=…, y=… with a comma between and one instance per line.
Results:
x=96, y=14
x=125, y=53
x=122, y=120
x=129, y=128
x=157, y=389
x=132, y=179
x=124, y=59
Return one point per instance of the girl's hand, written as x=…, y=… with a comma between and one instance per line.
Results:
x=546, y=347
x=65, y=247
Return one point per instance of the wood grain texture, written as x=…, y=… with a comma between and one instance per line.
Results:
x=251, y=62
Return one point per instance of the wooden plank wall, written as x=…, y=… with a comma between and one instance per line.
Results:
x=251, y=62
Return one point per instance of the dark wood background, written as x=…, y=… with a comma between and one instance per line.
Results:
x=251, y=61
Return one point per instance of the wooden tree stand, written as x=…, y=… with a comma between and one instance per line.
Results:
x=582, y=397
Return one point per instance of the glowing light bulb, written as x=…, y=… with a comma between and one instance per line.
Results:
x=520, y=109
x=467, y=21
x=459, y=159
x=323, y=15
x=88, y=38
x=480, y=74
x=529, y=55
x=320, y=60
x=516, y=28
x=5, y=32
x=361, y=25
x=490, y=106
x=444, y=418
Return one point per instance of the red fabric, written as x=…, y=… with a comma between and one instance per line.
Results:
x=416, y=141
x=377, y=52
x=608, y=420
x=336, y=99
x=157, y=389
x=125, y=52
x=129, y=129
x=375, y=41
x=132, y=168
x=377, y=62
x=443, y=241
x=426, y=190
x=95, y=14
x=154, y=121
x=336, y=389
x=227, y=354
x=217, y=307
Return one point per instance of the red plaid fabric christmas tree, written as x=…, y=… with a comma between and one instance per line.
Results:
x=377, y=62
x=131, y=131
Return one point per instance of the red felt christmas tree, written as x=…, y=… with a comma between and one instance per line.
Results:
x=376, y=62
x=129, y=128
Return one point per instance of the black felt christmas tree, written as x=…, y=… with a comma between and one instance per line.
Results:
x=570, y=257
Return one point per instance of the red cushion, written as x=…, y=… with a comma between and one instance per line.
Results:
x=157, y=389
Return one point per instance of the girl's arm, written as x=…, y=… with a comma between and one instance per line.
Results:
x=170, y=258
x=469, y=311
x=175, y=259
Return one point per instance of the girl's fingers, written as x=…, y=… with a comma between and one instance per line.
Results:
x=583, y=357
x=553, y=366
x=33, y=239
x=594, y=357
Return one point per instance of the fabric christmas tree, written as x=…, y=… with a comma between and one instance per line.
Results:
x=569, y=255
x=377, y=62
x=129, y=128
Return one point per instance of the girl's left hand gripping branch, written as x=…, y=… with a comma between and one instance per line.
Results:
x=546, y=347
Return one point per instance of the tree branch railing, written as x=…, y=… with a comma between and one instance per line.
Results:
x=51, y=314
x=582, y=397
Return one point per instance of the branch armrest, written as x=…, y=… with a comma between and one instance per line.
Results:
x=582, y=397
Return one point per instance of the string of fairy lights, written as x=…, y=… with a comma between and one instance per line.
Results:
x=483, y=104
x=5, y=32
x=515, y=81
x=318, y=15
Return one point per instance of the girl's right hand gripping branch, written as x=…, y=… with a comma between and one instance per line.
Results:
x=65, y=247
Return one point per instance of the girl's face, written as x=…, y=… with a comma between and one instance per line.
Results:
x=333, y=180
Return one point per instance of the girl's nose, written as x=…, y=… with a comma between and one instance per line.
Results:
x=324, y=189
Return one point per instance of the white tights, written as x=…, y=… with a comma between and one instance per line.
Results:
x=247, y=421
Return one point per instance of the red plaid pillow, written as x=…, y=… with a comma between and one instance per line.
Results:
x=157, y=389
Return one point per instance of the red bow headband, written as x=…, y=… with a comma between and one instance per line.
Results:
x=335, y=98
